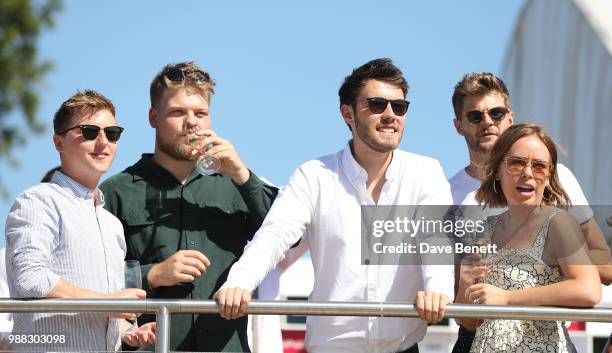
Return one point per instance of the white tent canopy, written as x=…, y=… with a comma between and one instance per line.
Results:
x=558, y=68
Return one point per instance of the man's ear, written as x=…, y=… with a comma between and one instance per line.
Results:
x=57, y=142
x=153, y=117
x=348, y=114
x=458, y=126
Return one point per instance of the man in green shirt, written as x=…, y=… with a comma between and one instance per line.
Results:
x=187, y=229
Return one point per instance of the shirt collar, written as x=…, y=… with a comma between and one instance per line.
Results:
x=394, y=170
x=77, y=189
x=146, y=168
x=354, y=170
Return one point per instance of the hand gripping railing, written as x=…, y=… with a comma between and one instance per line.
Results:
x=163, y=309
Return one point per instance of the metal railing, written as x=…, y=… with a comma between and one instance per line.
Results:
x=163, y=309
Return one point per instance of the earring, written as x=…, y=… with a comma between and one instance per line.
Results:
x=494, y=189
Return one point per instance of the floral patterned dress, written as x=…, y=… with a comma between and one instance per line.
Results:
x=514, y=269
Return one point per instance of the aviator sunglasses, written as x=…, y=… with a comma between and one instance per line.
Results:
x=476, y=116
x=539, y=169
x=378, y=105
x=90, y=132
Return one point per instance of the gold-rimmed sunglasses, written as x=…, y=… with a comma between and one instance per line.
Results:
x=539, y=169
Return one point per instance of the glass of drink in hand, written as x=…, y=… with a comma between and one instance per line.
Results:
x=133, y=279
x=482, y=240
x=205, y=165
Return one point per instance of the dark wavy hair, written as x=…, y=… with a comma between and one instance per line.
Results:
x=377, y=69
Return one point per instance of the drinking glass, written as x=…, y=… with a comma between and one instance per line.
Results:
x=205, y=165
x=482, y=239
x=133, y=279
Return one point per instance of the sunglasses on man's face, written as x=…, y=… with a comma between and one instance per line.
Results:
x=180, y=75
x=90, y=132
x=476, y=116
x=378, y=105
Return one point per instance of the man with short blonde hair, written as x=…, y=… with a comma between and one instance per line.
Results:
x=62, y=243
x=185, y=228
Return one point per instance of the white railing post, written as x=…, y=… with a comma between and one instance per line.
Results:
x=162, y=333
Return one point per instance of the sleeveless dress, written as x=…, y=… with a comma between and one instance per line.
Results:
x=514, y=269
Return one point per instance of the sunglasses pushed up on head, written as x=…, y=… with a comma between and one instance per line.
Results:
x=90, y=132
x=496, y=114
x=378, y=105
x=181, y=74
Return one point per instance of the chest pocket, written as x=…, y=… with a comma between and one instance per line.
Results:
x=226, y=226
x=150, y=237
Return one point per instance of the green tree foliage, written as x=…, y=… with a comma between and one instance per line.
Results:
x=21, y=70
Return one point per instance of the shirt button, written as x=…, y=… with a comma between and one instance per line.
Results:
x=192, y=242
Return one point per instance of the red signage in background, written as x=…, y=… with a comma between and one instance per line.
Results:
x=293, y=341
x=577, y=326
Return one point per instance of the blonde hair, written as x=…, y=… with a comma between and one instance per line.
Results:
x=192, y=76
x=476, y=85
x=88, y=101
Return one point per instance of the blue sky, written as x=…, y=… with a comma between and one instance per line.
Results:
x=278, y=66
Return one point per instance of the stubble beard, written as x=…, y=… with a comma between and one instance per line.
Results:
x=177, y=149
x=381, y=146
x=480, y=148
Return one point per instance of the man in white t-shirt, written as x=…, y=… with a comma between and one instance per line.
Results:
x=481, y=104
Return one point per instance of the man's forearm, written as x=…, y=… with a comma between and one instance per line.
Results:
x=65, y=289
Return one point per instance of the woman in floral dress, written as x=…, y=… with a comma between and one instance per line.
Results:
x=541, y=258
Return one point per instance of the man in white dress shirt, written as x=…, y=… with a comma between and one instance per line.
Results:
x=62, y=243
x=324, y=197
x=481, y=103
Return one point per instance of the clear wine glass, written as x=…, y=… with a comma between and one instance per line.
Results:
x=205, y=165
x=482, y=239
x=133, y=279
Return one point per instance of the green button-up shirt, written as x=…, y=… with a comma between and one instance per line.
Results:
x=210, y=214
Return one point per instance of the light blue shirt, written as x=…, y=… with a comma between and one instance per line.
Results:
x=54, y=230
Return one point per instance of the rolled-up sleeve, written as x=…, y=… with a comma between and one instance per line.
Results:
x=31, y=231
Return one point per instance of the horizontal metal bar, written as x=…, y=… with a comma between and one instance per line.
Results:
x=306, y=308
x=77, y=305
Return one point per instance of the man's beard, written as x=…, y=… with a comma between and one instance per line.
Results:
x=381, y=146
x=476, y=146
x=177, y=149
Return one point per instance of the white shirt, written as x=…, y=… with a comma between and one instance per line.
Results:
x=463, y=189
x=54, y=231
x=323, y=198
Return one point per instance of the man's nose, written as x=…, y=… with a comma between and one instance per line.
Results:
x=191, y=119
x=487, y=118
x=388, y=113
x=101, y=139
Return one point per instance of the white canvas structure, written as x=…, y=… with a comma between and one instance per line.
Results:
x=558, y=68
